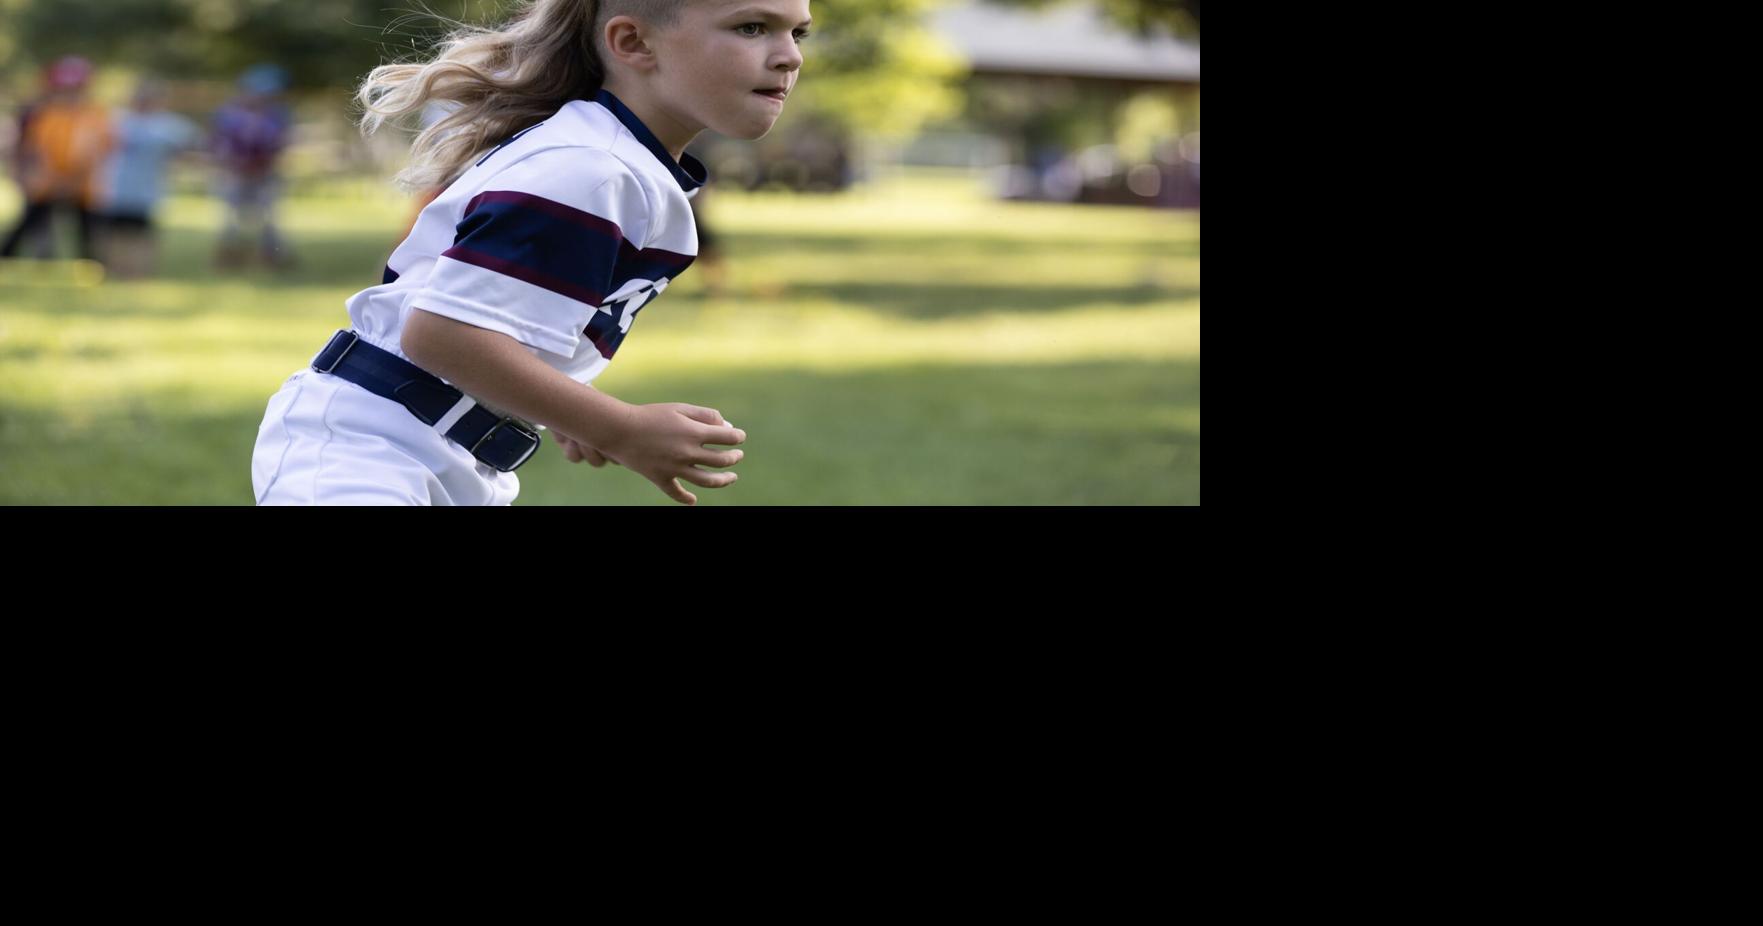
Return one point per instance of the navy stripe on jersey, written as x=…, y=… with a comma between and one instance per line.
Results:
x=649, y=264
x=390, y=277
x=539, y=241
x=603, y=332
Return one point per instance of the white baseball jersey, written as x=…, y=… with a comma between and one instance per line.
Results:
x=557, y=238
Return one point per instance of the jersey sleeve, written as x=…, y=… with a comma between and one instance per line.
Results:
x=534, y=253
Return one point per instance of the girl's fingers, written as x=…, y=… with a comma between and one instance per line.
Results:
x=722, y=458
x=676, y=492
x=724, y=435
x=708, y=479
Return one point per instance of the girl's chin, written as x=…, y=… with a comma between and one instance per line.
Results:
x=750, y=131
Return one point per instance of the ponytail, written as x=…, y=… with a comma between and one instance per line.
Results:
x=495, y=82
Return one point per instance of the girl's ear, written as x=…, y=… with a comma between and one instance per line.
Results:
x=627, y=43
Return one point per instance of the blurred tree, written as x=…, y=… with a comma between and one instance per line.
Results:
x=9, y=50
x=322, y=43
x=1144, y=16
x=872, y=67
x=1046, y=116
x=871, y=64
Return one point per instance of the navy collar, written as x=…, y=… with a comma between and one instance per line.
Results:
x=689, y=171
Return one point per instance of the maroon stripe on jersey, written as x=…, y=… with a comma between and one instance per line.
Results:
x=549, y=207
x=648, y=264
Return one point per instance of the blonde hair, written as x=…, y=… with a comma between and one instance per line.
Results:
x=497, y=81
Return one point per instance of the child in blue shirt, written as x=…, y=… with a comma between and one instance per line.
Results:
x=148, y=135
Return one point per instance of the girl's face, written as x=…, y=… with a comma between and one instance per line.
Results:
x=718, y=57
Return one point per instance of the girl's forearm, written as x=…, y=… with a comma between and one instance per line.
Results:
x=502, y=373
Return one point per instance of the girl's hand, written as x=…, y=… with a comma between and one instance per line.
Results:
x=665, y=443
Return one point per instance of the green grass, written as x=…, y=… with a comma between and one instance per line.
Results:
x=911, y=343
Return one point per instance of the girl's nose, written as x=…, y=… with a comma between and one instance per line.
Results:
x=790, y=59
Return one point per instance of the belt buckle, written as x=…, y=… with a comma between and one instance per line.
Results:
x=353, y=340
x=518, y=427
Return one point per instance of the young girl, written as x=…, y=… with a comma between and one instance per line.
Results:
x=565, y=212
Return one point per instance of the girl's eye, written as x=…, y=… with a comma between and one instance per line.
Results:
x=742, y=29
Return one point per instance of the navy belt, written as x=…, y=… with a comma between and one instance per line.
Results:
x=502, y=442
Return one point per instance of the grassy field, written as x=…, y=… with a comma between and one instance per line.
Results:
x=910, y=343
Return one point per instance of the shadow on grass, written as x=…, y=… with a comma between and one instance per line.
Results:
x=27, y=352
x=349, y=262
x=1117, y=433
x=334, y=259
x=957, y=243
x=947, y=300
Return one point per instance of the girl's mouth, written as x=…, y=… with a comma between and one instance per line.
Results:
x=777, y=95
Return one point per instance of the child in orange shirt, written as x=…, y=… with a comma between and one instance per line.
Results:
x=63, y=146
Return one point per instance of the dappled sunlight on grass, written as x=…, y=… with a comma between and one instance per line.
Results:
x=912, y=342
x=831, y=337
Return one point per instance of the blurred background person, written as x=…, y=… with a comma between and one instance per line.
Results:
x=38, y=239
x=64, y=139
x=147, y=137
x=250, y=132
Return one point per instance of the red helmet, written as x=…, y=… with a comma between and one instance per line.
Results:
x=70, y=73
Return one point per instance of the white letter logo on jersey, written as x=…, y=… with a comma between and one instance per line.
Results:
x=614, y=318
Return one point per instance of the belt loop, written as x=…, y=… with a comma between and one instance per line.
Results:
x=465, y=404
x=335, y=338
